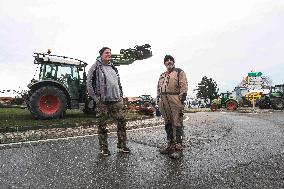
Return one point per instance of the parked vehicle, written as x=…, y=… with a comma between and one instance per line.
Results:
x=225, y=100
x=251, y=97
x=143, y=104
x=274, y=100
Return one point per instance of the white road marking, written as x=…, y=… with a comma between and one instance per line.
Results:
x=187, y=118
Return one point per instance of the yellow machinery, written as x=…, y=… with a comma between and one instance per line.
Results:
x=251, y=97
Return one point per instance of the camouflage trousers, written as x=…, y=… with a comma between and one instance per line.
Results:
x=106, y=111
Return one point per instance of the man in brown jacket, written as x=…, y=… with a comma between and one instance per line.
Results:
x=171, y=94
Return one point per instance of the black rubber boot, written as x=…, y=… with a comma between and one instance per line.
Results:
x=178, y=153
x=169, y=131
x=170, y=146
x=179, y=134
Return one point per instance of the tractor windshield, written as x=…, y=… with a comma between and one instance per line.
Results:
x=62, y=73
x=279, y=88
x=146, y=97
x=68, y=75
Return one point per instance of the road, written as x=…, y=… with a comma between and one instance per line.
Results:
x=223, y=150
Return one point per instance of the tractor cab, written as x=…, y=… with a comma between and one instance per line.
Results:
x=62, y=70
x=224, y=97
x=277, y=91
x=146, y=98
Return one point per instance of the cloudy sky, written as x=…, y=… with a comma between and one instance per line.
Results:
x=222, y=39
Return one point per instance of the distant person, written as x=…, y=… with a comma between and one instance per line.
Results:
x=171, y=94
x=158, y=112
x=103, y=85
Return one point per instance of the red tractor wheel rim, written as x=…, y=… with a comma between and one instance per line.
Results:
x=231, y=106
x=49, y=104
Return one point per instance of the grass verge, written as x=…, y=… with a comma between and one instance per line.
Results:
x=12, y=119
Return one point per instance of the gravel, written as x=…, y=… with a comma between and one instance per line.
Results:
x=54, y=133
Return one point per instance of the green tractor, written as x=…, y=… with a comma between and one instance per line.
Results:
x=62, y=82
x=225, y=100
x=274, y=100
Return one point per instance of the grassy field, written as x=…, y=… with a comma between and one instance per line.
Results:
x=11, y=118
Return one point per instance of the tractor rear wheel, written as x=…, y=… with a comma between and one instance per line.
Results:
x=277, y=104
x=47, y=103
x=231, y=105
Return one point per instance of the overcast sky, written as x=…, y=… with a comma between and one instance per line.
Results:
x=221, y=39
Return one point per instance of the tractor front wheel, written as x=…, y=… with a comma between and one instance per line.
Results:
x=277, y=104
x=264, y=103
x=231, y=105
x=47, y=103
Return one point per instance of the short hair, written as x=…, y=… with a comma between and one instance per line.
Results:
x=167, y=57
x=103, y=50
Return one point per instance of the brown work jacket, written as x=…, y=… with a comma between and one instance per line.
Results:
x=173, y=83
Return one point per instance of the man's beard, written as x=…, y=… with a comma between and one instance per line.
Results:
x=170, y=66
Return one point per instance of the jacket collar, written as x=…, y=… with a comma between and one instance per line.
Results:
x=100, y=62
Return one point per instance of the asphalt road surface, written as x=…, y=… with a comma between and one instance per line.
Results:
x=223, y=150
